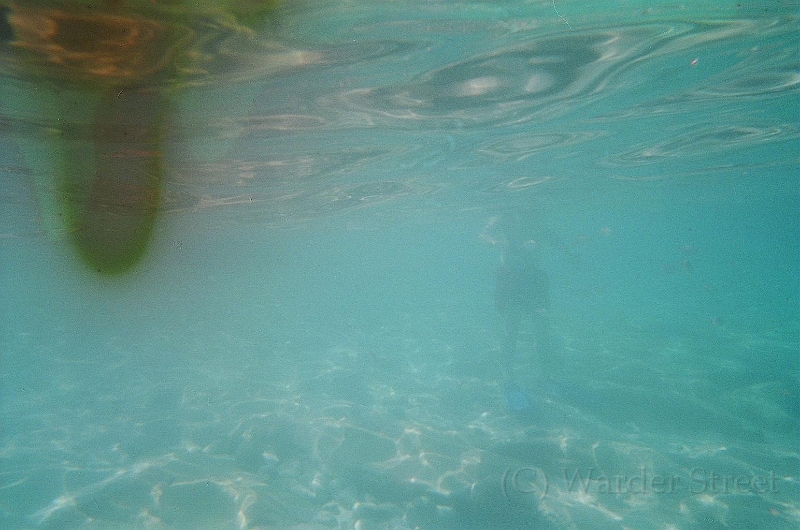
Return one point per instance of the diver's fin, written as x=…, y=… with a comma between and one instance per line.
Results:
x=517, y=398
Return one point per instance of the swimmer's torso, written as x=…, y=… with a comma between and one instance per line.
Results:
x=521, y=256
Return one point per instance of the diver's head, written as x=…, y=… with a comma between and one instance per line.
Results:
x=521, y=224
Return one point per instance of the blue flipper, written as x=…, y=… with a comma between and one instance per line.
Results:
x=517, y=398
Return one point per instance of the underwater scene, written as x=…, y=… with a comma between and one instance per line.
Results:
x=399, y=264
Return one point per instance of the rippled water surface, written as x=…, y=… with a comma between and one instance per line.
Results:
x=307, y=334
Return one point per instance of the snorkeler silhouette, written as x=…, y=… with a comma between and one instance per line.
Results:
x=523, y=290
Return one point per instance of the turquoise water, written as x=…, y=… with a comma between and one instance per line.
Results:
x=311, y=341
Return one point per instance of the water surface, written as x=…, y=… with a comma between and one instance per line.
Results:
x=311, y=340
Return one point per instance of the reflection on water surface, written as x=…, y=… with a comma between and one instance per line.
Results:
x=301, y=330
